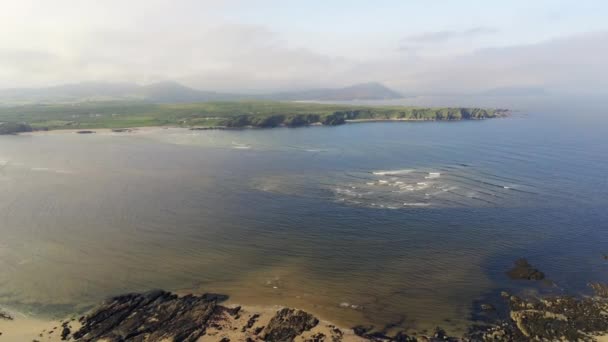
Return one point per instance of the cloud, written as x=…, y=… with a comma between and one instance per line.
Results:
x=199, y=47
x=575, y=64
x=218, y=57
x=444, y=36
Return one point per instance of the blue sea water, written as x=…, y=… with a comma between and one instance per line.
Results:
x=405, y=223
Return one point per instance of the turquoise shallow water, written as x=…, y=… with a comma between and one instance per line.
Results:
x=406, y=223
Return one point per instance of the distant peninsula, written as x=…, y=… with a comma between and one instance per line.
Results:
x=218, y=115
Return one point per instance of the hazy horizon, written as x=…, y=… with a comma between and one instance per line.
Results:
x=237, y=46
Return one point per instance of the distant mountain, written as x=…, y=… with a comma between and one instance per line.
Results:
x=364, y=91
x=163, y=92
x=70, y=92
x=172, y=92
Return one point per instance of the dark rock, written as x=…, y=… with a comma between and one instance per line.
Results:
x=361, y=330
x=65, y=333
x=151, y=316
x=403, y=337
x=563, y=318
x=258, y=330
x=225, y=339
x=5, y=316
x=85, y=132
x=233, y=311
x=376, y=335
x=250, y=322
x=122, y=130
x=500, y=331
x=336, y=334
x=249, y=339
x=215, y=297
x=287, y=324
x=487, y=307
x=523, y=270
x=318, y=337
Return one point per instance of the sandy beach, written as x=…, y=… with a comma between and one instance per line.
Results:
x=225, y=327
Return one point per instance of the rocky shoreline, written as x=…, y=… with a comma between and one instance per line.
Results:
x=163, y=316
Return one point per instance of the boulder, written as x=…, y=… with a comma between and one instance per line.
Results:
x=523, y=270
x=287, y=324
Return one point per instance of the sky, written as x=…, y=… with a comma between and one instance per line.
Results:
x=416, y=47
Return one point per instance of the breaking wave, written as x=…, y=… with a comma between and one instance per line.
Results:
x=454, y=186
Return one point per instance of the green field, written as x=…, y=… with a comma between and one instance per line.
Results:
x=90, y=115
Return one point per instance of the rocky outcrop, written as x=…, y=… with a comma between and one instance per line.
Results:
x=162, y=316
x=558, y=318
x=562, y=318
x=287, y=324
x=523, y=270
x=152, y=316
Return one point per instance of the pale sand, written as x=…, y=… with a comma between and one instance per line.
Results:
x=23, y=328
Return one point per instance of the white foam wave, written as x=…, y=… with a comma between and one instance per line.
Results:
x=392, y=172
x=415, y=204
x=433, y=175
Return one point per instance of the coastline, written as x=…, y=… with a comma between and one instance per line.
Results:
x=144, y=129
x=231, y=322
x=163, y=316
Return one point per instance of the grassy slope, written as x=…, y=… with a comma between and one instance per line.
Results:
x=232, y=114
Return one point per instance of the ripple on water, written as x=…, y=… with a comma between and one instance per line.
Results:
x=452, y=186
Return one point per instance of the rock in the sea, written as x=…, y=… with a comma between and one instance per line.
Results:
x=600, y=289
x=287, y=324
x=523, y=270
x=361, y=330
x=85, y=132
x=152, y=316
x=5, y=316
x=487, y=307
